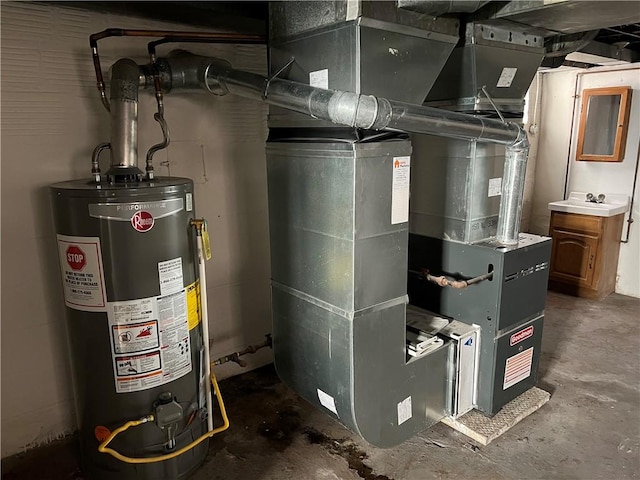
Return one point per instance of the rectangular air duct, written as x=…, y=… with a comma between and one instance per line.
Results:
x=502, y=58
x=364, y=47
x=339, y=283
x=456, y=188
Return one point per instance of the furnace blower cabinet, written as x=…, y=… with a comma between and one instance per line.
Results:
x=388, y=315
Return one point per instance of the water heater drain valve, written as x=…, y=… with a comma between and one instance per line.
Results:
x=168, y=414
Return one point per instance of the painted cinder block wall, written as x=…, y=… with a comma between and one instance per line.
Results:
x=51, y=120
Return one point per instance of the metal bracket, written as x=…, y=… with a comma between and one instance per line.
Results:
x=495, y=107
x=276, y=75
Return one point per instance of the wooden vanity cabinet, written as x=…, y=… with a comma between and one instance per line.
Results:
x=584, y=255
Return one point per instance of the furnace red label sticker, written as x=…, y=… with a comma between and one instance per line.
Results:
x=517, y=368
x=521, y=335
x=142, y=221
x=82, y=273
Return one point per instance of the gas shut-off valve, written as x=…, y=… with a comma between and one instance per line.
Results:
x=168, y=414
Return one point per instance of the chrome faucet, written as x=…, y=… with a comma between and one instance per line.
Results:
x=593, y=199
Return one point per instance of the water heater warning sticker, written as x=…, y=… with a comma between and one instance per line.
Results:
x=138, y=364
x=136, y=337
x=170, y=275
x=400, y=190
x=193, y=304
x=150, y=341
x=82, y=273
x=518, y=368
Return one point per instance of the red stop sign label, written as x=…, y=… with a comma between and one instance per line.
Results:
x=76, y=257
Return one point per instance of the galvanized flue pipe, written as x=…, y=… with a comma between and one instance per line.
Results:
x=367, y=112
x=125, y=77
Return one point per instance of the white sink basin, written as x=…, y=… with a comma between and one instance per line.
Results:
x=614, y=204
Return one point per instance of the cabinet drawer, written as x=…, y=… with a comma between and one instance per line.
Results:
x=576, y=223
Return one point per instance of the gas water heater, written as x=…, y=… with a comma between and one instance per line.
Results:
x=132, y=259
x=129, y=274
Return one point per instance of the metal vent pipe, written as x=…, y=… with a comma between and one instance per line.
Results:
x=369, y=112
x=125, y=78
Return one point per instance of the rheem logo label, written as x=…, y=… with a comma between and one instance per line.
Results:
x=142, y=221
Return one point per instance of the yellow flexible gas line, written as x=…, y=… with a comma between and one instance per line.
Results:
x=150, y=418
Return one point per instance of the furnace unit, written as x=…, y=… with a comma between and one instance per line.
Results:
x=457, y=189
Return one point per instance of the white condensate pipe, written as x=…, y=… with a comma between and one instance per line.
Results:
x=205, y=324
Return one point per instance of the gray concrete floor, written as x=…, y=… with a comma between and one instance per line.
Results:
x=589, y=429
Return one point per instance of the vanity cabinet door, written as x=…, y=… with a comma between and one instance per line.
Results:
x=573, y=257
x=584, y=255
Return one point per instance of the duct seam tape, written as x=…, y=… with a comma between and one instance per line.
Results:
x=353, y=9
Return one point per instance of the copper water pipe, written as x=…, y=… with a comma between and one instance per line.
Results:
x=218, y=37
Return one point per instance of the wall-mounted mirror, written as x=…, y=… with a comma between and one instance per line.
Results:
x=604, y=121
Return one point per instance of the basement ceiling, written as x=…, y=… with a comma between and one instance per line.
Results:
x=611, y=29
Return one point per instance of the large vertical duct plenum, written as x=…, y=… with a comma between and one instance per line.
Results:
x=338, y=252
x=339, y=290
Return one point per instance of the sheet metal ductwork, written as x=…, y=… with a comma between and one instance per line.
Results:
x=501, y=58
x=362, y=47
x=338, y=179
x=441, y=7
x=370, y=112
x=339, y=249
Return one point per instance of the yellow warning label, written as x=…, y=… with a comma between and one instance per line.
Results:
x=193, y=304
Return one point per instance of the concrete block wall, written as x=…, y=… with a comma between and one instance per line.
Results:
x=51, y=120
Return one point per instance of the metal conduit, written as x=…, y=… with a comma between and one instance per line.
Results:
x=368, y=112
